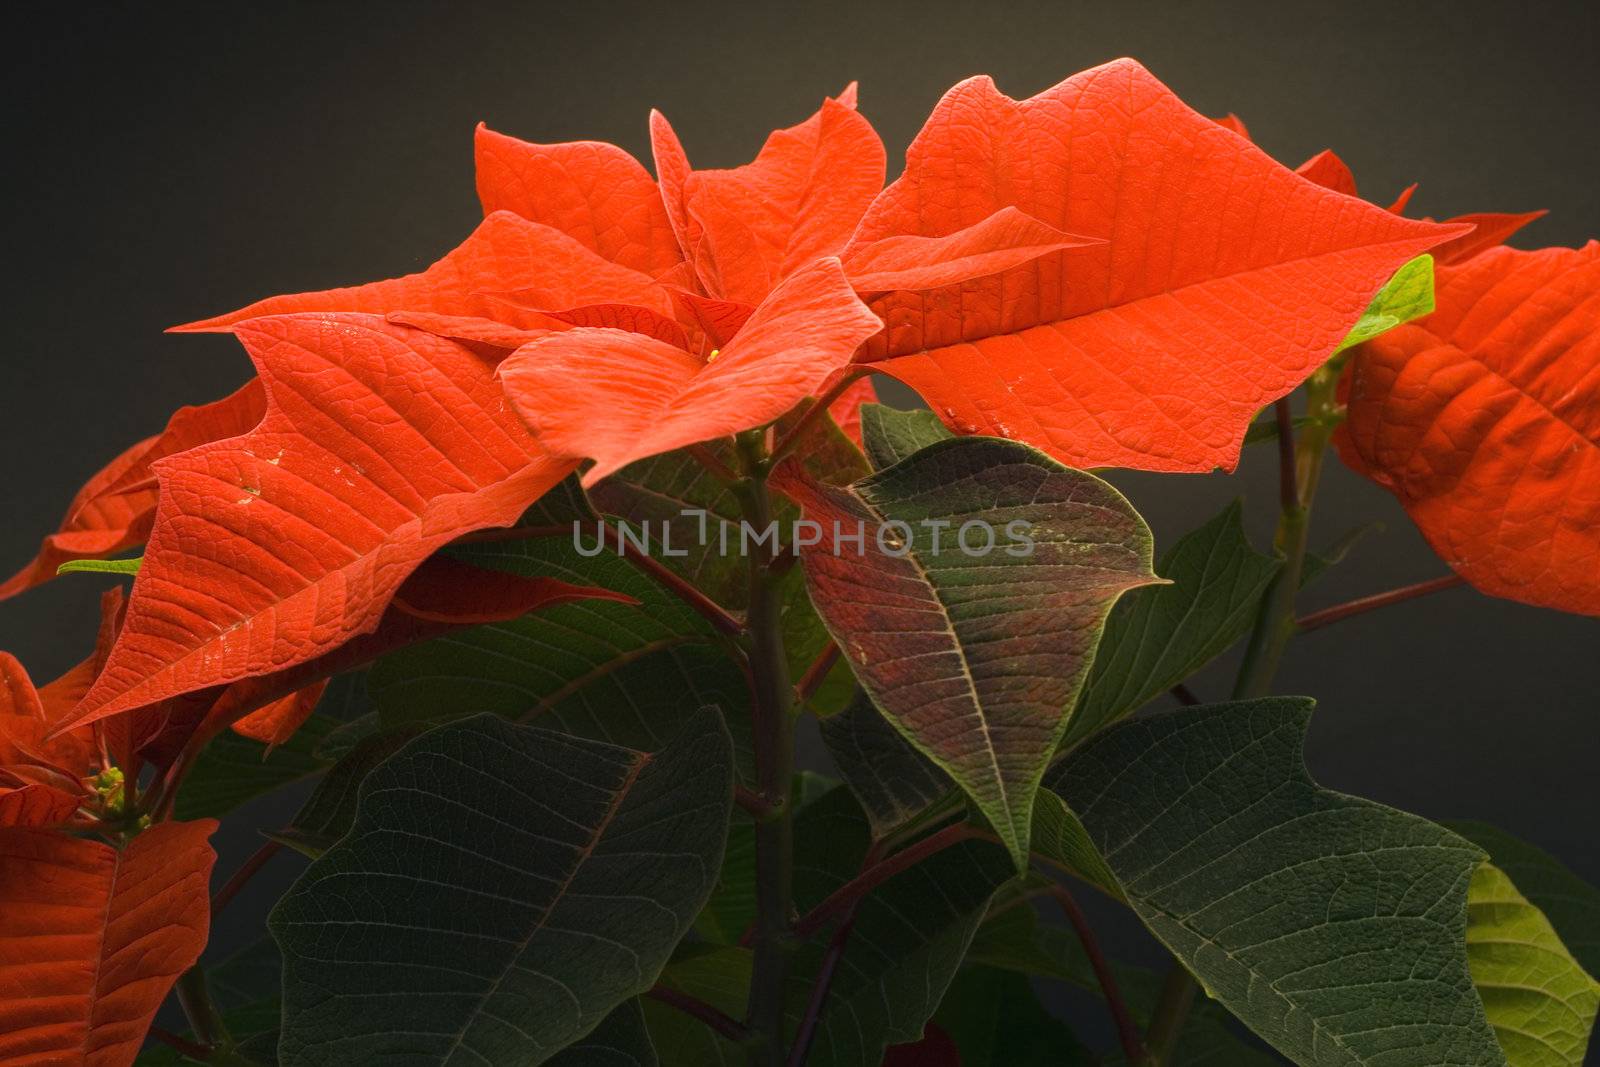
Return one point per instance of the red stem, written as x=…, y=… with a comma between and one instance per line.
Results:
x=703, y=605
x=1318, y=619
x=1127, y=1032
x=708, y=459
x=758, y=805
x=247, y=870
x=840, y=900
x=819, y=991
x=723, y=1024
x=817, y=673
x=828, y=968
x=182, y=1044
x=1185, y=696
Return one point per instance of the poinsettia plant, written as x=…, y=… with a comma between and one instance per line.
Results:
x=535, y=560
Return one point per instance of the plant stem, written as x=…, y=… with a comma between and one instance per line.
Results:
x=1127, y=1033
x=205, y=1022
x=1318, y=619
x=182, y=1044
x=1172, y=1011
x=819, y=990
x=247, y=870
x=817, y=673
x=1299, y=471
x=774, y=752
x=728, y=1027
x=842, y=899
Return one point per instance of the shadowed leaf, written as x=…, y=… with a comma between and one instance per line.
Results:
x=1157, y=637
x=512, y=885
x=1331, y=926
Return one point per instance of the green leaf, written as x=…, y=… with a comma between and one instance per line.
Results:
x=1571, y=904
x=1540, y=1002
x=907, y=940
x=976, y=655
x=1265, y=428
x=1333, y=927
x=504, y=888
x=893, y=434
x=698, y=512
x=523, y=668
x=894, y=782
x=101, y=566
x=232, y=769
x=908, y=937
x=1407, y=296
x=620, y=1040
x=612, y=672
x=330, y=811
x=1058, y=835
x=996, y=1020
x=718, y=975
x=1013, y=939
x=1158, y=636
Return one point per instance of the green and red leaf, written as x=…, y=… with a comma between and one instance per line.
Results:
x=976, y=657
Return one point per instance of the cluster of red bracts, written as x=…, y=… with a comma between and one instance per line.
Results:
x=1097, y=271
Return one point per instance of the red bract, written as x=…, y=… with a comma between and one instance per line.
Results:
x=1484, y=419
x=92, y=938
x=113, y=511
x=744, y=230
x=618, y=396
x=1226, y=279
x=42, y=778
x=380, y=444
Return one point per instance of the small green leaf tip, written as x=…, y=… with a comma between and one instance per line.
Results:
x=101, y=566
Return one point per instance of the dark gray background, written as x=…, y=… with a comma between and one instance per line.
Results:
x=170, y=162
